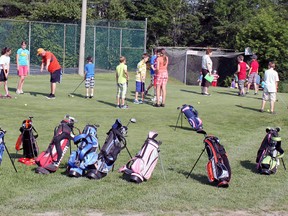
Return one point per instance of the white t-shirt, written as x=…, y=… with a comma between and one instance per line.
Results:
x=270, y=79
x=207, y=63
x=4, y=61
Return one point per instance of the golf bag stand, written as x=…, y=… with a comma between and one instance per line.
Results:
x=4, y=147
x=179, y=116
x=196, y=163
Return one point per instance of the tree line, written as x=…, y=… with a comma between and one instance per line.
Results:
x=228, y=24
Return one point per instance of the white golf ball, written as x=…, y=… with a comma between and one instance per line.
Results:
x=25, y=104
x=268, y=110
x=72, y=95
x=15, y=97
x=198, y=102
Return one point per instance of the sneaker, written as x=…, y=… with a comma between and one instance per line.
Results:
x=146, y=92
x=206, y=94
x=162, y=105
x=18, y=92
x=51, y=96
x=8, y=96
x=124, y=107
x=140, y=102
x=273, y=113
x=247, y=92
x=91, y=97
x=261, y=110
x=21, y=92
x=256, y=93
x=86, y=97
x=136, y=101
x=156, y=105
x=118, y=106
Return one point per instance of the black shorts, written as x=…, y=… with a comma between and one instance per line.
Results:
x=56, y=76
x=205, y=83
x=2, y=76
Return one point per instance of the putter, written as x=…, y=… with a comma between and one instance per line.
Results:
x=71, y=94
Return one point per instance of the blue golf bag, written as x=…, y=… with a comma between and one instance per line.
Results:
x=86, y=155
x=114, y=144
x=191, y=115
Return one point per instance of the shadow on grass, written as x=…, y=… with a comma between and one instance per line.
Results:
x=36, y=93
x=227, y=93
x=249, y=165
x=107, y=103
x=189, y=91
x=198, y=177
x=248, y=108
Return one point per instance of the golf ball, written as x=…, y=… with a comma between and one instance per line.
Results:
x=25, y=104
x=72, y=95
x=198, y=102
x=15, y=97
x=268, y=110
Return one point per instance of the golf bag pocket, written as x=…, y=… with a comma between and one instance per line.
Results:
x=113, y=145
x=192, y=117
x=86, y=154
x=140, y=167
x=270, y=152
x=60, y=143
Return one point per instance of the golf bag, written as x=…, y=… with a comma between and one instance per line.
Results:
x=218, y=167
x=27, y=140
x=270, y=152
x=48, y=161
x=140, y=167
x=86, y=155
x=192, y=116
x=114, y=143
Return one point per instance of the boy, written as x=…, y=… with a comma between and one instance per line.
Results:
x=121, y=80
x=89, y=77
x=253, y=73
x=241, y=72
x=152, y=73
x=140, y=78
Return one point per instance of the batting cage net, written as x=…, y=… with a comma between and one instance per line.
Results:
x=105, y=42
x=185, y=63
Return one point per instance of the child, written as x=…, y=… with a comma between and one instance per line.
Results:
x=89, y=77
x=233, y=84
x=122, y=78
x=215, y=78
x=241, y=72
x=4, y=69
x=199, y=80
x=140, y=79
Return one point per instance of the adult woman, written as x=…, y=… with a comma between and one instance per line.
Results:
x=206, y=69
x=4, y=69
x=162, y=77
x=22, y=61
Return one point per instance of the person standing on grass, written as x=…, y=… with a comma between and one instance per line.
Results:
x=252, y=75
x=206, y=69
x=52, y=65
x=89, y=77
x=140, y=79
x=122, y=78
x=162, y=78
x=5, y=68
x=152, y=74
x=271, y=80
x=22, y=61
x=241, y=73
x=215, y=78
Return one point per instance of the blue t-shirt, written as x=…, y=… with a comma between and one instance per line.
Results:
x=152, y=61
x=89, y=69
x=23, y=55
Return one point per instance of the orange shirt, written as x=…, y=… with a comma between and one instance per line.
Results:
x=162, y=68
x=54, y=64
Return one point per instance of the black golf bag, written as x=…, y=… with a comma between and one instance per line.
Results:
x=86, y=154
x=270, y=152
x=140, y=167
x=48, y=161
x=191, y=115
x=27, y=140
x=109, y=152
x=218, y=167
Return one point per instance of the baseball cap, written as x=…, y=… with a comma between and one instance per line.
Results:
x=40, y=50
x=254, y=56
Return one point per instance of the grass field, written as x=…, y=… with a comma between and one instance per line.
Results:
x=235, y=120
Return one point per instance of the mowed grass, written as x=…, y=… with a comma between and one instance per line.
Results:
x=235, y=120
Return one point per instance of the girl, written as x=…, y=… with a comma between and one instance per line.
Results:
x=22, y=61
x=4, y=69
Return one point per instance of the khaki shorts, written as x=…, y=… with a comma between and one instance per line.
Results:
x=269, y=96
x=121, y=90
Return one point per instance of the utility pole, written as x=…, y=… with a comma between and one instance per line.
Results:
x=82, y=38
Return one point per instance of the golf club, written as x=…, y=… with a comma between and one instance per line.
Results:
x=71, y=94
x=132, y=120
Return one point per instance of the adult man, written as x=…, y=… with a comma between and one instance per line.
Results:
x=271, y=80
x=52, y=65
x=252, y=76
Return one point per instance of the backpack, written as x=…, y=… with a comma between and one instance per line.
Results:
x=269, y=152
x=218, y=167
x=48, y=161
x=115, y=142
x=27, y=139
x=191, y=115
x=86, y=154
x=140, y=167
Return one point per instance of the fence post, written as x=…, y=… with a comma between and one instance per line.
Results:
x=29, y=45
x=64, y=49
x=120, y=48
x=145, y=35
x=94, y=45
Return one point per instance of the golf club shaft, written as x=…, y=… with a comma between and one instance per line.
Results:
x=78, y=86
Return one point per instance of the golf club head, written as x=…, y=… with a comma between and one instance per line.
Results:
x=133, y=120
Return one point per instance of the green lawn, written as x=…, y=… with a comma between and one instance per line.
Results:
x=235, y=120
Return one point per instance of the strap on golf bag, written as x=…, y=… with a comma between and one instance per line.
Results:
x=49, y=160
x=269, y=152
x=192, y=116
x=140, y=167
x=86, y=155
x=218, y=168
x=27, y=139
x=2, y=145
x=114, y=143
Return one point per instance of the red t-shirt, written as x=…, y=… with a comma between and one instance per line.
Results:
x=254, y=67
x=54, y=64
x=242, y=72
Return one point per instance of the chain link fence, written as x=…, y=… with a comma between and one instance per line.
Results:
x=105, y=42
